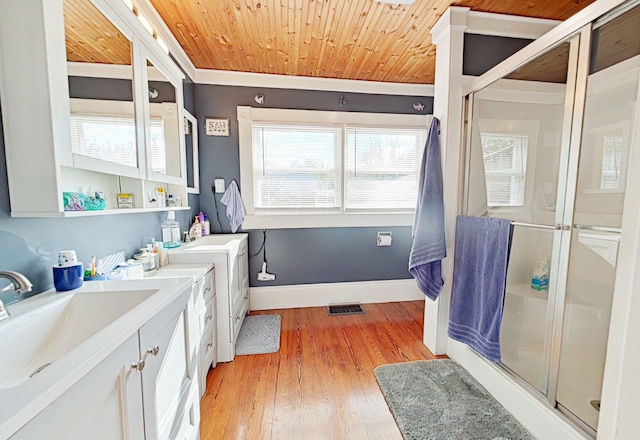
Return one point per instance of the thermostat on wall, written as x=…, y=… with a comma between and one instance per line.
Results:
x=217, y=126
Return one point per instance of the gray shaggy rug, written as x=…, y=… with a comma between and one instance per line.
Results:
x=439, y=400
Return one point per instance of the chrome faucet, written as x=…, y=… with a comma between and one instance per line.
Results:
x=19, y=283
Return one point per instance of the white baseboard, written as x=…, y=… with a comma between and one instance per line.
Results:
x=535, y=415
x=320, y=295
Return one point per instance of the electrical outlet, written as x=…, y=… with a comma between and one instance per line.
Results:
x=219, y=185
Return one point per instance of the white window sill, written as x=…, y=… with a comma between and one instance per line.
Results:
x=299, y=221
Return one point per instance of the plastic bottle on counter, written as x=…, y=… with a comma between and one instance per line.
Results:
x=206, y=227
x=170, y=231
x=196, y=229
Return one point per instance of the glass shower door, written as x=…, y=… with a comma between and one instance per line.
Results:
x=517, y=169
x=610, y=128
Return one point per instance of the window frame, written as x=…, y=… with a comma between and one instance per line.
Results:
x=282, y=220
x=511, y=172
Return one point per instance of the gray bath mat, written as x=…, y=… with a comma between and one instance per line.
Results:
x=439, y=400
x=259, y=334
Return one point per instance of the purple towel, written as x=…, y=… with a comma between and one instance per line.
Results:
x=428, y=247
x=479, y=277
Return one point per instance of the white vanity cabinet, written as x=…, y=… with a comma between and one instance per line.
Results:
x=229, y=255
x=204, y=316
x=144, y=389
x=104, y=404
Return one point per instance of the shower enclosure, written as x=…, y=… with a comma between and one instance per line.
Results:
x=548, y=147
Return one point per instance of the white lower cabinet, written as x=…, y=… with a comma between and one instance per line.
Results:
x=145, y=389
x=104, y=404
x=231, y=262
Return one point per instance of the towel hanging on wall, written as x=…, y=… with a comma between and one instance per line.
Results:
x=235, y=208
x=429, y=247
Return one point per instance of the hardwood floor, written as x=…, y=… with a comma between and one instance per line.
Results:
x=320, y=385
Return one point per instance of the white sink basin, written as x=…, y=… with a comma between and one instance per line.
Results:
x=212, y=242
x=36, y=338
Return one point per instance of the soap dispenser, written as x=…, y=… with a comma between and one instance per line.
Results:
x=170, y=231
x=540, y=277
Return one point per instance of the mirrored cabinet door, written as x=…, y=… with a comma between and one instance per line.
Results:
x=101, y=92
x=164, y=129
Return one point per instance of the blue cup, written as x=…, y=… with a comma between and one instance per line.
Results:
x=68, y=277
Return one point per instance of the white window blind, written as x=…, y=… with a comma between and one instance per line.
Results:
x=158, y=147
x=505, y=164
x=296, y=167
x=110, y=138
x=113, y=138
x=382, y=168
x=611, y=163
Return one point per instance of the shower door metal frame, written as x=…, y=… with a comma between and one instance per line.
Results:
x=579, y=26
x=571, y=141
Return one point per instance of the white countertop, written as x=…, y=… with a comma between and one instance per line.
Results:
x=210, y=244
x=22, y=402
x=191, y=271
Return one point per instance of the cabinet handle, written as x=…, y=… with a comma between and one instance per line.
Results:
x=210, y=344
x=124, y=404
x=208, y=318
x=139, y=365
x=153, y=351
x=207, y=289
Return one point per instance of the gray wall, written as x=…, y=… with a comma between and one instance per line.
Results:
x=482, y=52
x=31, y=245
x=300, y=256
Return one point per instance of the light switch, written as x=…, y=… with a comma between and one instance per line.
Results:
x=219, y=185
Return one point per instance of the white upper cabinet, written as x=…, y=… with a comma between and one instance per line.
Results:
x=91, y=104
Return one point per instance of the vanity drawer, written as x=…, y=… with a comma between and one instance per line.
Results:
x=236, y=320
x=208, y=288
x=207, y=315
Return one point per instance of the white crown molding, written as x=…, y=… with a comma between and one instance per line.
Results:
x=485, y=23
x=512, y=26
x=530, y=92
x=97, y=70
x=248, y=79
x=161, y=28
x=454, y=18
x=324, y=294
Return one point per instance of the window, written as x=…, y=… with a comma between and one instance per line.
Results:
x=505, y=164
x=313, y=169
x=381, y=173
x=110, y=138
x=296, y=167
x=611, y=172
x=113, y=138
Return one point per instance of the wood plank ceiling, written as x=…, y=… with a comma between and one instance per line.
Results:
x=347, y=39
x=91, y=37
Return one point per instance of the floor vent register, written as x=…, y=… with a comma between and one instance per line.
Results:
x=345, y=309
